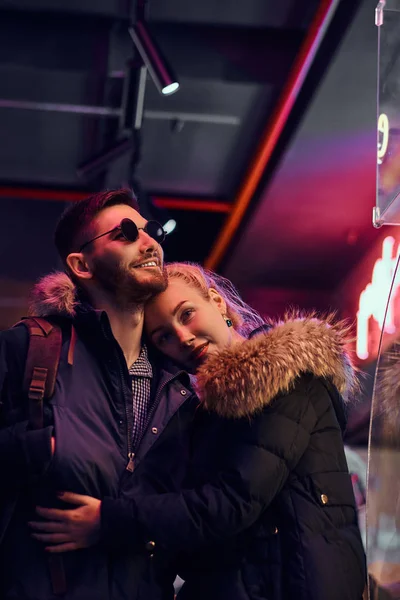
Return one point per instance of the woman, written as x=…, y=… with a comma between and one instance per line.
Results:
x=274, y=514
x=266, y=510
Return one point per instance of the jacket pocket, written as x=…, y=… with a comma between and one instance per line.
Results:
x=333, y=489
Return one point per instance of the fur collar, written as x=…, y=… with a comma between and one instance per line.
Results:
x=242, y=380
x=54, y=294
x=386, y=407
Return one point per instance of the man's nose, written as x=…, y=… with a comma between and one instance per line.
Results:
x=146, y=241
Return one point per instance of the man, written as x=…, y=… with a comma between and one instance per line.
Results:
x=116, y=423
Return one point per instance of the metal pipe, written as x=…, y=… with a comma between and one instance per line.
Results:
x=188, y=204
x=273, y=130
x=106, y=111
x=193, y=117
x=139, y=108
x=192, y=204
x=22, y=193
x=80, y=109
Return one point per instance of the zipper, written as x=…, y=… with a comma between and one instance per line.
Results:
x=128, y=413
x=130, y=465
x=129, y=424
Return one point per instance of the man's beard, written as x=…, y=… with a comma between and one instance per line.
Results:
x=124, y=287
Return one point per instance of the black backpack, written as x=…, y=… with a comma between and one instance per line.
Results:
x=43, y=358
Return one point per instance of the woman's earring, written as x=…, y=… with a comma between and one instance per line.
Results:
x=228, y=322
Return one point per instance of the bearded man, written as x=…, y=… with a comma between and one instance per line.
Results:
x=118, y=420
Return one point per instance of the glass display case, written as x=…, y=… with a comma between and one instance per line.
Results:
x=387, y=210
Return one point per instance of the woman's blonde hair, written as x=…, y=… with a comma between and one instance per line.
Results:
x=244, y=318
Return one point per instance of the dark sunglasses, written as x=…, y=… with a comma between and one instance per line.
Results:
x=130, y=231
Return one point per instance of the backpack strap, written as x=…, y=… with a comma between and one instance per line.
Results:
x=45, y=340
x=41, y=366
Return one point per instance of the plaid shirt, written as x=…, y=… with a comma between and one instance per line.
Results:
x=141, y=373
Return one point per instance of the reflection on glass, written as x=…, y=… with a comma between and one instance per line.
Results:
x=383, y=497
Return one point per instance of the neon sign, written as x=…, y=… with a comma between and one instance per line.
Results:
x=383, y=134
x=373, y=298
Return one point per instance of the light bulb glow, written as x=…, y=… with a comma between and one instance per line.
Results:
x=170, y=89
x=169, y=226
x=373, y=299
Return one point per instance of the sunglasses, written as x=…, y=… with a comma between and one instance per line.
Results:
x=130, y=232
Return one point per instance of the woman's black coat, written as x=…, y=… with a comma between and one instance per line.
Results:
x=267, y=511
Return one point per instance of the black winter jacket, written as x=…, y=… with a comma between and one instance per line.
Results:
x=91, y=416
x=267, y=511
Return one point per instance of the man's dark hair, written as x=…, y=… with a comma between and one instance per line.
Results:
x=75, y=225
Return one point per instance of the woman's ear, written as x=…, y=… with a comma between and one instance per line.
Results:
x=78, y=265
x=218, y=299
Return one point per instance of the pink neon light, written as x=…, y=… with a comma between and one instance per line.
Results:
x=373, y=298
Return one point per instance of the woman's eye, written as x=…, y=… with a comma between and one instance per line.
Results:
x=119, y=235
x=186, y=314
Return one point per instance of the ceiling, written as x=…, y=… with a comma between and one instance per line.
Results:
x=315, y=216
x=308, y=219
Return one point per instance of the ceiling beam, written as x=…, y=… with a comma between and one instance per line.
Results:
x=212, y=205
x=104, y=8
x=193, y=204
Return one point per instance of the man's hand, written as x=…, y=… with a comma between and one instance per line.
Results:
x=66, y=530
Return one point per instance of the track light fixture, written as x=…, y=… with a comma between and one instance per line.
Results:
x=169, y=226
x=153, y=58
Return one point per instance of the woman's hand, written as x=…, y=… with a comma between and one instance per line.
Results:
x=66, y=530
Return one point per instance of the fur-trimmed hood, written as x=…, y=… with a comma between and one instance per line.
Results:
x=241, y=380
x=54, y=294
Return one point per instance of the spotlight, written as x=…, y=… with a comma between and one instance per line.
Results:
x=153, y=58
x=169, y=226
